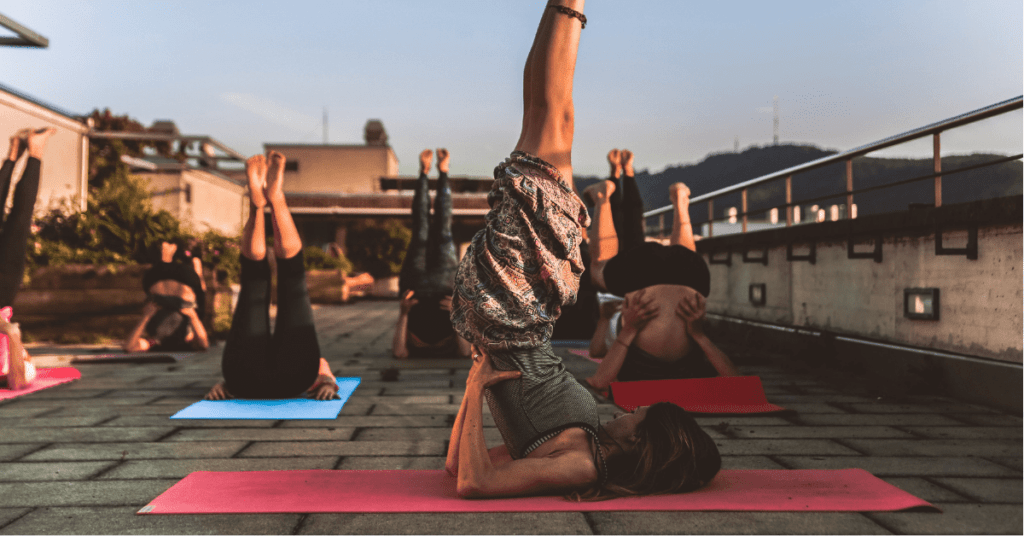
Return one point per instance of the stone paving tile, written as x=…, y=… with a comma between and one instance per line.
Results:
x=121, y=520
x=41, y=471
x=159, y=420
x=140, y=469
x=732, y=523
x=10, y=514
x=912, y=419
x=808, y=432
x=399, y=399
x=135, y=451
x=423, y=409
x=955, y=519
x=733, y=420
x=12, y=452
x=813, y=407
x=49, y=422
x=948, y=407
x=263, y=434
x=343, y=448
x=936, y=447
x=13, y=410
x=996, y=419
x=1009, y=461
x=418, y=421
x=86, y=493
x=901, y=465
x=966, y=432
x=440, y=523
x=77, y=411
x=491, y=435
x=732, y=447
x=393, y=462
x=925, y=489
x=82, y=435
x=749, y=462
x=86, y=402
x=989, y=490
x=63, y=392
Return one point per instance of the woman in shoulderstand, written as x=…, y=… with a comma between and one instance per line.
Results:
x=518, y=273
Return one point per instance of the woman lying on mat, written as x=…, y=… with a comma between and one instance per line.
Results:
x=175, y=293
x=16, y=369
x=512, y=282
x=660, y=334
x=286, y=364
x=424, y=328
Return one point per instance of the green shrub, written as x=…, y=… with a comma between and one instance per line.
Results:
x=379, y=250
x=317, y=259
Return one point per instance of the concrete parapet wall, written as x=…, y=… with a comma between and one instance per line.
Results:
x=980, y=300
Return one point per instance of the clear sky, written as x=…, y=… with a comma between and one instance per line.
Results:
x=672, y=80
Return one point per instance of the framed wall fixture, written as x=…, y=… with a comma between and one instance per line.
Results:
x=921, y=303
x=757, y=294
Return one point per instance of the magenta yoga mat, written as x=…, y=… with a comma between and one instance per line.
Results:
x=45, y=378
x=320, y=491
x=724, y=394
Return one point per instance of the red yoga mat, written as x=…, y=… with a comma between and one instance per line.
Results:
x=724, y=394
x=319, y=491
x=45, y=378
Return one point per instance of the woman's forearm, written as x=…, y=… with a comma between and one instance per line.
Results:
x=398, y=344
x=452, y=463
x=16, y=350
x=598, y=344
x=133, y=344
x=716, y=357
x=474, y=461
x=202, y=340
x=613, y=360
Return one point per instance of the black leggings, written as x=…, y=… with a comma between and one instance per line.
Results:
x=627, y=213
x=257, y=364
x=431, y=260
x=14, y=230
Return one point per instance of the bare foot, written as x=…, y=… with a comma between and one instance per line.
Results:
x=18, y=144
x=275, y=177
x=426, y=155
x=598, y=192
x=256, y=172
x=443, y=156
x=167, y=251
x=37, y=141
x=680, y=195
x=627, y=162
x=615, y=161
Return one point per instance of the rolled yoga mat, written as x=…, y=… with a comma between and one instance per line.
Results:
x=273, y=409
x=318, y=491
x=723, y=394
x=45, y=378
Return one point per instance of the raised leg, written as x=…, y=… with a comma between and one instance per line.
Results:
x=254, y=240
x=604, y=241
x=18, y=225
x=548, y=114
x=287, y=243
x=442, y=257
x=630, y=226
x=682, y=229
x=415, y=264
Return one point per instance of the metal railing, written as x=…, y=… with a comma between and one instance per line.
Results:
x=934, y=130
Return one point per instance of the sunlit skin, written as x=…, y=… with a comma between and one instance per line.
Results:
x=34, y=142
x=662, y=320
x=287, y=244
x=198, y=338
x=403, y=337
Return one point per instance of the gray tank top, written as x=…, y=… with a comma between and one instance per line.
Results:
x=545, y=401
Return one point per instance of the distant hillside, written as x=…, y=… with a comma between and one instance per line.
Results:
x=725, y=169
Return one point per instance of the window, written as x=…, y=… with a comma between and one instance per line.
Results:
x=291, y=165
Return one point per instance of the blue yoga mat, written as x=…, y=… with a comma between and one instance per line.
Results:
x=285, y=409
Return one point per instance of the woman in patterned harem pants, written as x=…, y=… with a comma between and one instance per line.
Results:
x=517, y=274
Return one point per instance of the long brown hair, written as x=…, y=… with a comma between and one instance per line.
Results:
x=673, y=455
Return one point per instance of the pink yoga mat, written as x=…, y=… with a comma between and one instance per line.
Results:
x=811, y=490
x=45, y=378
x=724, y=394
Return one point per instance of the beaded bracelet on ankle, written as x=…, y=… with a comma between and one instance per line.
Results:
x=572, y=13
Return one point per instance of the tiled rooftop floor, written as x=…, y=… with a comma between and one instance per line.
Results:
x=83, y=457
